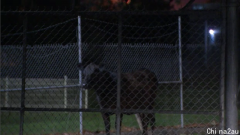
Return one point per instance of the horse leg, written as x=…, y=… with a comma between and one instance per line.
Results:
x=121, y=116
x=152, y=121
x=144, y=120
x=106, y=120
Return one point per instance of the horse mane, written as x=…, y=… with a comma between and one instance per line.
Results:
x=89, y=69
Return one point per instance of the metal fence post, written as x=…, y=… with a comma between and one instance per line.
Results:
x=119, y=62
x=80, y=73
x=206, y=42
x=86, y=98
x=231, y=66
x=180, y=67
x=6, y=93
x=23, y=74
x=223, y=68
x=65, y=91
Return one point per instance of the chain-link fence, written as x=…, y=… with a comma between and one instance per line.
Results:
x=162, y=67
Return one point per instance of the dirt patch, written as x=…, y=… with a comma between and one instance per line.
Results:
x=190, y=129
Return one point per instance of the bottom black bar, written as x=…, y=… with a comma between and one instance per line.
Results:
x=109, y=110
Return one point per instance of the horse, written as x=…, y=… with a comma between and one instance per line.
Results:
x=138, y=91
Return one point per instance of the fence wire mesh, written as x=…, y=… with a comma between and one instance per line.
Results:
x=154, y=68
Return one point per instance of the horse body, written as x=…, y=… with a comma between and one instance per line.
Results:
x=138, y=91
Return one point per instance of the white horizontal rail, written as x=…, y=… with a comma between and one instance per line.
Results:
x=68, y=86
x=46, y=87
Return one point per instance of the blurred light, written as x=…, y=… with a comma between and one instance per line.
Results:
x=211, y=31
x=128, y=1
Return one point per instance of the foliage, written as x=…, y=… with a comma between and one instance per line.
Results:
x=87, y=5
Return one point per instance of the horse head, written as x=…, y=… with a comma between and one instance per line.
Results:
x=91, y=73
x=98, y=78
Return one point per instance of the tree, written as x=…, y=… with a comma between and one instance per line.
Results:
x=149, y=5
x=88, y=5
x=213, y=1
x=116, y=5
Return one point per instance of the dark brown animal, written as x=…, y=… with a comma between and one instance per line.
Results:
x=138, y=91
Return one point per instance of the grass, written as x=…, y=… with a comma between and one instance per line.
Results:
x=38, y=123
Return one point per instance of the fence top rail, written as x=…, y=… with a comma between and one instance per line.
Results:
x=68, y=12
